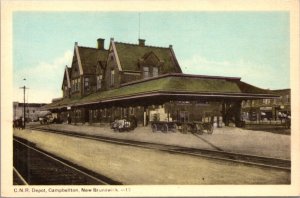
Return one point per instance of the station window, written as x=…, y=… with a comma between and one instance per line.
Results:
x=288, y=98
x=86, y=83
x=66, y=90
x=76, y=85
x=99, y=79
x=131, y=110
x=112, y=77
x=146, y=72
x=95, y=113
x=266, y=101
x=155, y=72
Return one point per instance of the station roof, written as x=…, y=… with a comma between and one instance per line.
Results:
x=89, y=58
x=130, y=54
x=172, y=85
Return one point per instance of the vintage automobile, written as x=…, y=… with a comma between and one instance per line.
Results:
x=46, y=119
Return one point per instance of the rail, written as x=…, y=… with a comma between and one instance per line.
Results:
x=212, y=154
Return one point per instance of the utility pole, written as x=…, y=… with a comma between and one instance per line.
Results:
x=24, y=106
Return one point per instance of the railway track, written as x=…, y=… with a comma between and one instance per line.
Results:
x=212, y=154
x=33, y=166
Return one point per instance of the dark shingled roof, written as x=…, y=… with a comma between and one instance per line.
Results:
x=89, y=58
x=173, y=84
x=130, y=54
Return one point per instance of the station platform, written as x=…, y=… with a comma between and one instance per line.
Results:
x=228, y=139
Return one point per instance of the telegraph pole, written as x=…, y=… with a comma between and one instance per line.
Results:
x=24, y=106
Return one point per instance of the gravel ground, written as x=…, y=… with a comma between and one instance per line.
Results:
x=131, y=165
x=229, y=139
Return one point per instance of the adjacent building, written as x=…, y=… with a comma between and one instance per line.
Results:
x=146, y=82
x=31, y=110
x=268, y=109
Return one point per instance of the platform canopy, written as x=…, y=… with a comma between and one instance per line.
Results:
x=172, y=87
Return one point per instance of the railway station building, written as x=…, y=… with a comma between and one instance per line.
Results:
x=147, y=83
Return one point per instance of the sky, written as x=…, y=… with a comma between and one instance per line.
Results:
x=251, y=45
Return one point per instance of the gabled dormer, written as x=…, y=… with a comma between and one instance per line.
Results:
x=100, y=72
x=76, y=73
x=113, y=70
x=83, y=79
x=66, y=84
x=130, y=62
x=150, y=65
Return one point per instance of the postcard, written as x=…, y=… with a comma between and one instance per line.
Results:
x=149, y=98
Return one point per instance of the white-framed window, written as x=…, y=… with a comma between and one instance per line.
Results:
x=154, y=71
x=288, y=98
x=131, y=110
x=99, y=79
x=76, y=85
x=86, y=83
x=95, y=113
x=266, y=101
x=146, y=72
x=112, y=77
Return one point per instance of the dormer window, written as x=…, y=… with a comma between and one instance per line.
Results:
x=146, y=72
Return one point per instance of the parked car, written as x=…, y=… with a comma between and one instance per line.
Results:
x=47, y=119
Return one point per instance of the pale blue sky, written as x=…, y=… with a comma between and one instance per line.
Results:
x=250, y=45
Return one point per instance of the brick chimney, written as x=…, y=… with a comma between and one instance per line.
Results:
x=142, y=42
x=100, y=42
